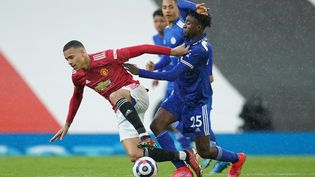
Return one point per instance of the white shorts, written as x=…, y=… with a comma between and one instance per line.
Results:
x=141, y=98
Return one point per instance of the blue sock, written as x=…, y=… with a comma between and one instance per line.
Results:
x=226, y=156
x=184, y=141
x=166, y=142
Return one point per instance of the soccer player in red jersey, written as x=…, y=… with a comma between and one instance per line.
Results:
x=104, y=72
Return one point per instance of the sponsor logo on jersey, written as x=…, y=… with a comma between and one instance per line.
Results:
x=102, y=86
x=104, y=72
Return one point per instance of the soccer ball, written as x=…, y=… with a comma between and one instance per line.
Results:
x=145, y=167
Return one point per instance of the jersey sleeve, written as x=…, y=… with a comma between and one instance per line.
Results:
x=164, y=61
x=78, y=80
x=124, y=54
x=171, y=75
x=75, y=103
x=184, y=6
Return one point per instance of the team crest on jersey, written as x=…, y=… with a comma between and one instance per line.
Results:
x=103, y=85
x=104, y=72
x=173, y=40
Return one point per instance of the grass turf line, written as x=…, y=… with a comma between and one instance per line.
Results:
x=119, y=166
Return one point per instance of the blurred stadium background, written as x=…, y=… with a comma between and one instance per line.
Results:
x=262, y=49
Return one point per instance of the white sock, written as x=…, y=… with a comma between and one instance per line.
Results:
x=182, y=155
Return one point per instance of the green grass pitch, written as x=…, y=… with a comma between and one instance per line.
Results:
x=119, y=166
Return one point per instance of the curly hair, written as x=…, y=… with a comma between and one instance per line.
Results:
x=204, y=20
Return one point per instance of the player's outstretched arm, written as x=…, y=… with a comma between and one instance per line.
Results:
x=167, y=75
x=133, y=69
x=61, y=133
x=124, y=54
x=73, y=108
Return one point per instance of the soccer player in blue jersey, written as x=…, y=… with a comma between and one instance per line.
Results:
x=191, y=100
x=159, y=25
x=174, y=36
x=158, y=39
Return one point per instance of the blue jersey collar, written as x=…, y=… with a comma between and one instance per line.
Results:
x=198, y=40
x=175, y=21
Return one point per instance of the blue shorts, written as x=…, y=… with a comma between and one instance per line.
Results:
x=195, y=120
x=169, y=89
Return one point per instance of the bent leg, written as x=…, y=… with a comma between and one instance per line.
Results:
x=123, y=101
x=133, y=152
x=159, y=126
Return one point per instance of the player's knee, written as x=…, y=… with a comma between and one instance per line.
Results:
x=114, y=97
x=153, y=127
x=157, y=126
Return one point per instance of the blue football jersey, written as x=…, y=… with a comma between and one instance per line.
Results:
x=193, y=86
x=173, y=37
x=158, y=40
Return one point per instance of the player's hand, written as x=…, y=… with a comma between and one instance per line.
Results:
x=133, y=69
x=211, y=78
x=202, y=9
x=61, y=133
x=179, y=50
x=155, y=83
x=150, y=66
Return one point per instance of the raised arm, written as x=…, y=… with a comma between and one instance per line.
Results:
x=185, y=6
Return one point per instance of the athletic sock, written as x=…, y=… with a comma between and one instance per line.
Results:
x=166, y=142
x=162, y=155
x=131, y=115
x=184, y=141
x=226, y=155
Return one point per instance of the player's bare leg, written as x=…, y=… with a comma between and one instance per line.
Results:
x=204, y=149
x=132, y=150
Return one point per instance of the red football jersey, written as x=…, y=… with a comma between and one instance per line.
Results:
x=106, y=73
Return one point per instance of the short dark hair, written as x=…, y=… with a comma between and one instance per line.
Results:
x=158, y=12
x=204, y=20
x=74, y=44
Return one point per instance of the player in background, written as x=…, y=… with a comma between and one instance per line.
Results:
x=159, y=23
x=192, y=98
x=104, y=73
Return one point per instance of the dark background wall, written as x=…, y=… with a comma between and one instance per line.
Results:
x=267, y=48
